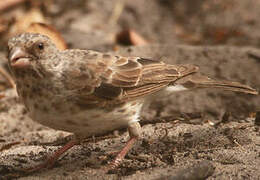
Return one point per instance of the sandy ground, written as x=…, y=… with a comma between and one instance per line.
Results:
x=180, y=134
x=232, y=147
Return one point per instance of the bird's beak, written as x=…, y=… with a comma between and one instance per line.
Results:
x=19, y=58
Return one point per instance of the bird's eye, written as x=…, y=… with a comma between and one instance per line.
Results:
x=40, y=46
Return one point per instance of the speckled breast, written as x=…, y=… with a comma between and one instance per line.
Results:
x=64, y=115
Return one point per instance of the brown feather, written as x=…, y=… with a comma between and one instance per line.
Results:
x=201, y=81
x=138, y=77
x=107, y=91
x=115, y=78
x=140, y=91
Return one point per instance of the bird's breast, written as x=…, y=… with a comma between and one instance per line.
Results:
x=56, y=113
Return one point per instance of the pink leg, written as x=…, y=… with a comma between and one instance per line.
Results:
x=134, y=130
x=54, y=157
x=123, y=152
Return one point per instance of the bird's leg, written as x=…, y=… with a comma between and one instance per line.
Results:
x=134, y=130
x=54, y=157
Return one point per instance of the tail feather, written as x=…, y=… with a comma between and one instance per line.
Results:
x=231, y=86
x=197, y=80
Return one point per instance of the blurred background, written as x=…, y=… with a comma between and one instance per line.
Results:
x=108, y=25
x=197, y=22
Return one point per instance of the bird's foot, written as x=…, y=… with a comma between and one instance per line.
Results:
x=53, y=158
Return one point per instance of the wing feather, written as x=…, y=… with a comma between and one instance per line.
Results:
x=115, y=78
x=138, y=77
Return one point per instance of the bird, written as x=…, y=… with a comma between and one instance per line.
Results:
x=89, y=93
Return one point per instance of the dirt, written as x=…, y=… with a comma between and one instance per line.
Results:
x=184, y=129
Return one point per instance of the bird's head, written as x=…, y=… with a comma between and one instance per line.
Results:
x=30, y=51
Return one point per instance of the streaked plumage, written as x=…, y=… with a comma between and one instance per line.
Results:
x=91, y=93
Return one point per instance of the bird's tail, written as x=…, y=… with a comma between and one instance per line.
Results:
x=197, y=80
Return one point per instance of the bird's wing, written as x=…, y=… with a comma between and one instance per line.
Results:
x=138, y=77
x=116, y=78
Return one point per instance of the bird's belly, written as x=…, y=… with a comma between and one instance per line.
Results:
x=89, y=122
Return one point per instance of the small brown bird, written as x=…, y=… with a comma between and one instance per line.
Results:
x=90, y=93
